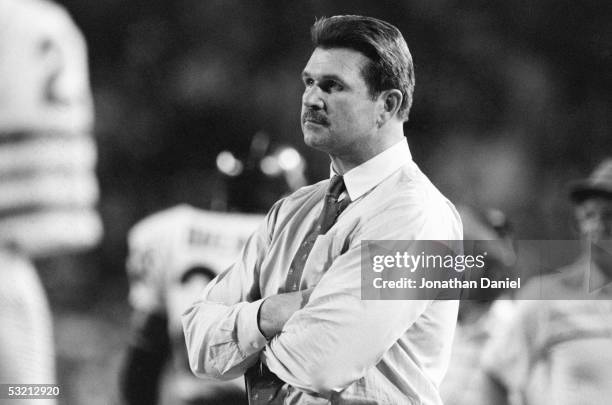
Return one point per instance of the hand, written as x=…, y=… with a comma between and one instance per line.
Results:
x=277, y=309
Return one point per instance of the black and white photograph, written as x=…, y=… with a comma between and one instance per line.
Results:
x=313, y=202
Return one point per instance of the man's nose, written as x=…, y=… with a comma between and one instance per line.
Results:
x=312, y=98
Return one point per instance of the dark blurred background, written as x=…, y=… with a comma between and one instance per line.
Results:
x=512, y=100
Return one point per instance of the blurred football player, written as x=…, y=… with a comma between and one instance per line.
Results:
x=47, y=184
x=173, y=254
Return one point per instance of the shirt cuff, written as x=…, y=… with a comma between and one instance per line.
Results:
x=250, y=338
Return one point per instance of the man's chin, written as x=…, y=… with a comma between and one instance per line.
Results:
x=314, y=134
x=315, y=139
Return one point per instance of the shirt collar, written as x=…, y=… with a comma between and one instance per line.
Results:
x=371, y=173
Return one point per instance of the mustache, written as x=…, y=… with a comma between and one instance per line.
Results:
x=315, y=116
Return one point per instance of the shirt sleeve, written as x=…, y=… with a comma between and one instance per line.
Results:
x=317, y=348
x=221, y=332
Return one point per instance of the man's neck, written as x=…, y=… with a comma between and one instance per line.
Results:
x=385, y=138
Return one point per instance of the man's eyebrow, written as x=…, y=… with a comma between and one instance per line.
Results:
x=330, y=76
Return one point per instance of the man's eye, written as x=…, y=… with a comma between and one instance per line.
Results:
x=329, y=86
x=308, y=82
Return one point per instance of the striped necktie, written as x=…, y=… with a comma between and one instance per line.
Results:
x=332, y=208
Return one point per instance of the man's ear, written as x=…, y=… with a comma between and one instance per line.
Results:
x=392, y=101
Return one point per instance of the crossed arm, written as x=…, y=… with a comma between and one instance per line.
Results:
x=308, y=342
x=277, y=309
x=308, y=339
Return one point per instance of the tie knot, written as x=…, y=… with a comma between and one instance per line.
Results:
x=336, y=187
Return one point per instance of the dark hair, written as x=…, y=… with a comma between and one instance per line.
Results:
x=390, y=65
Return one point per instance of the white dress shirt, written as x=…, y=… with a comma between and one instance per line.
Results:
x=338, y=347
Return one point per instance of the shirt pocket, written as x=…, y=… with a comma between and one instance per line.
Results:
x=323, y=253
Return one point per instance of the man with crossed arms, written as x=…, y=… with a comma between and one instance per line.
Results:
x=288, y=313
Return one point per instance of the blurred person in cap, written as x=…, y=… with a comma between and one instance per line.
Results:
x=173, y=255
x=47, y=184
x=288, y=314
x=559, y=351
x=482, y=310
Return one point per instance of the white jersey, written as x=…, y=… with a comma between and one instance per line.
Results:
x=48, y=189
x=166, y=245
